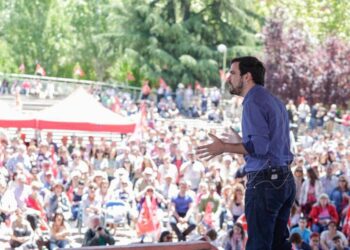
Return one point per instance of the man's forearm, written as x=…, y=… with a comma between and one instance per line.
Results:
x=236, y=148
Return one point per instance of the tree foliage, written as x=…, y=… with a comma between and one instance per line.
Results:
x=321, y=18
x=133, y=40
x=297, y=67
x=175, y=40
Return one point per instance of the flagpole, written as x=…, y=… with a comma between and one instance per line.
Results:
x=222, y=48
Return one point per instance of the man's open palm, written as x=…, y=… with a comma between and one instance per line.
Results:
x=209, y=151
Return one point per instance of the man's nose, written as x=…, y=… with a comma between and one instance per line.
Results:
x=227, y=77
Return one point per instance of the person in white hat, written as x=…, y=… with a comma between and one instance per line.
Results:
x=59, y=202
x=192, y=170
x=168, y=189
x=167, y=168
x=228, y=168
x=148, y=179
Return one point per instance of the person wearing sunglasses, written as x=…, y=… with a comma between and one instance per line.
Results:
x=91, y=204
x=315, y=242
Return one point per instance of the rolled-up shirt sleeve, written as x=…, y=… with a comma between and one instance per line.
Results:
x=256, y=142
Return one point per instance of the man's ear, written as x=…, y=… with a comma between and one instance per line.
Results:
x=248, y=76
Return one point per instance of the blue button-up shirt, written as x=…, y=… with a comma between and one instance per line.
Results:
x=265, y=129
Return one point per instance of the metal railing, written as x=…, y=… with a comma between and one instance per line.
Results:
x=64, y=86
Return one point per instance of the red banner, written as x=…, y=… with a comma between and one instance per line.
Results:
x=148, y=221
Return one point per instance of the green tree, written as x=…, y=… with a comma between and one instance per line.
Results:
x=93, y=45
x=177, y=40
x=321, y=17
x=35, y=33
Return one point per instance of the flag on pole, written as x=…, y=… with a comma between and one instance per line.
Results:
x=78, y=71
x=148, y=221
x=142, y=124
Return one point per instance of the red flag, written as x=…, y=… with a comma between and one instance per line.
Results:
x=162, y=83
x=243, y=221
x=346, y=225
x=208, y=215
x=40, y=70
x=148, y=221
x=78, y=71
x=22, y=68
x=142, y=124
x=130, y=76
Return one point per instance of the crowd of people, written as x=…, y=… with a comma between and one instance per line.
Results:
x=185, y=101
x=153, y=183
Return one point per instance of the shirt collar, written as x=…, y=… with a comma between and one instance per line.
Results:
x=250, y=93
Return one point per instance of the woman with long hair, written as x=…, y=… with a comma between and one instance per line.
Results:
x=112, y=163
x=311, y=189
x=237, y=239
x=99, y=161
x=299, y=180
x=103, y=192
x=59, y=232
x=340, y=196
x=63, y=156
x=237, y=203
x=327, y=237
x=322, y=213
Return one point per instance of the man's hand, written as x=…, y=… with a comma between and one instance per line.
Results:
x=232, y=137
x=182, y=220
x=209, y=151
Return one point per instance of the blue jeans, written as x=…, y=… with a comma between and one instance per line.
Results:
x=181, y=236
x=54, y=244
x=318, y=228
x=268, y=200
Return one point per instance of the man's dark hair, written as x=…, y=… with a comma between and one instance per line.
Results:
x=295, y=238
x=253, y=66
x=304, y=218
x=163, y=235
x=212, y=234
x=337, y=237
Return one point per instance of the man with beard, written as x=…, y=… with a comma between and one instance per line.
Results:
x=266, y=146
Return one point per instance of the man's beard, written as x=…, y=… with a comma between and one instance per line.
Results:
x=236, y=90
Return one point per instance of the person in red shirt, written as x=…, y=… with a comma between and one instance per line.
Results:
x=35, y=211
x=322, y=213
x=346, y=122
